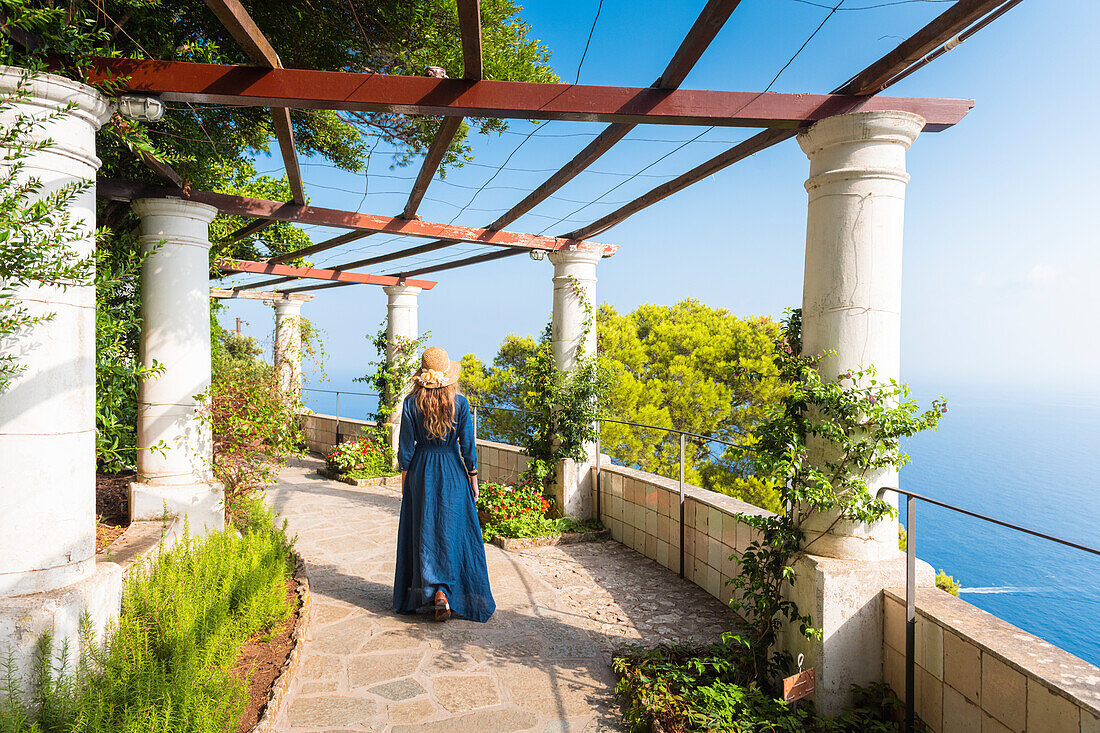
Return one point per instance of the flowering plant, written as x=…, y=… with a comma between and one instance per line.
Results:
x=500, y=502
x=363, y=458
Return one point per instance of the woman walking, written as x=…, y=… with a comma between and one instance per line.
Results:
x=440, y=555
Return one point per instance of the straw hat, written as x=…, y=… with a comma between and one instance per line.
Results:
x=436, y=369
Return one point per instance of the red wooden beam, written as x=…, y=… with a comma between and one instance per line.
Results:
x=245, y=32
x=706, y=27
x=322, y=286
x=440, y=143
x=476, y=259
x=264, y=209
x=313, y=274
x=177, y=81
x=876, y=77
x=400, y=254
x=284, y=133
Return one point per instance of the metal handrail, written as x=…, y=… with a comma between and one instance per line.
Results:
x=338, y=392
x=911, y=499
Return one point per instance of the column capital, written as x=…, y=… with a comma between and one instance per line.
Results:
x=175, y=207
x=857, y=127
x=396, y=291
x=58, y=91
x=859, y=146
x=574, y=257
x=288, y=307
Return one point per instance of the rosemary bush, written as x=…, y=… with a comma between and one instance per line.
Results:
x=186, y=615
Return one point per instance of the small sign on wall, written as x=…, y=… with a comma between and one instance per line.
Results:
x=800, y=685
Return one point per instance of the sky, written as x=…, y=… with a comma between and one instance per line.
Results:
x=1001, y=246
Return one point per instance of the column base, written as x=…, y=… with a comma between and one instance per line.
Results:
x=24, y=619
x=844, y=598
x=201, y=504
x=574, y=489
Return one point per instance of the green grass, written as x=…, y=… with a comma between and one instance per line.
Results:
x=185, y=617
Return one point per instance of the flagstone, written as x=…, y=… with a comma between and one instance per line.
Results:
x=541, y=663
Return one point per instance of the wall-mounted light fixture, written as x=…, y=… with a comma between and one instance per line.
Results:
x=140, y=107
x=538, y=254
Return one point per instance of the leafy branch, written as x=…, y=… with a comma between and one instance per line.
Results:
x=820, y=444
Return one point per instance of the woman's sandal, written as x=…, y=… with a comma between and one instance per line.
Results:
x=442, y=608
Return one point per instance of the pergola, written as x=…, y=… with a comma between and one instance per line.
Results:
x=856, y=142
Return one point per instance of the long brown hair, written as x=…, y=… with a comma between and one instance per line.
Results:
x=438, y=408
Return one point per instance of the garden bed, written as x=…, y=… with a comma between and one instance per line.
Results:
x=512, y=544
x=112, y=496
x=392, y=481
x=273, y=658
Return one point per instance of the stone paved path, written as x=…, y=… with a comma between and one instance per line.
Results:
x=542, y=663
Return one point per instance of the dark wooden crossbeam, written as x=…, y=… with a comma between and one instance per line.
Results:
x=876, y=77
x=177, y=81
x=315, y=274
x=319, y=247
x=256, y=46
x=264, y=209
x=706, y=27
x=880, y=75
x=253, y=227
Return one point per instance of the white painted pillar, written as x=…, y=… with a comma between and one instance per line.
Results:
x=852, y=305
x=288, y=347
x=401, y=326
x=175, y=306
x=851, y=301
x=48, y=571
x=571, y=331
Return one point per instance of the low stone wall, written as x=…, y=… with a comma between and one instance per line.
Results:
x=976, y=672
x=499, y=462
x=321, y=435
x=642, y=511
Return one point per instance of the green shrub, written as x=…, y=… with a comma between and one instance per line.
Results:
x=254, y=426
x=946, y=583
x=186, y=614
x=689, y=689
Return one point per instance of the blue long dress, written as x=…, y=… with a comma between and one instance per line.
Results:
x=439, y=545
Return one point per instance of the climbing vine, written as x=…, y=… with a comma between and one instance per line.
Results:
x=391, y=378
x=853, y=425
x=39, y=237
x=565, y=404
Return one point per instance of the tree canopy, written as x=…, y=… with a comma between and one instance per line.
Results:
x=686, y=366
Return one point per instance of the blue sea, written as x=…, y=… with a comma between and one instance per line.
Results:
x=1028, y=459
x=1021, y=457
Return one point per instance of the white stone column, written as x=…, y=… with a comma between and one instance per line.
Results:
x=401, y=325
x=852, y=305
x=174, y=446
x=851, y=302
x=48, y=570
x=288, y=347
x=571, y=331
